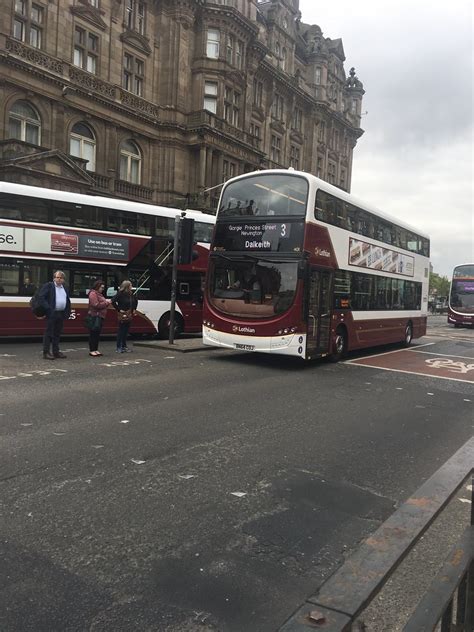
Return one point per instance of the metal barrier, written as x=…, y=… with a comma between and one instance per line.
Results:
x=344, y=596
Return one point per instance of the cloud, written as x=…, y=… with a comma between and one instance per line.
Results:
x=415, y=158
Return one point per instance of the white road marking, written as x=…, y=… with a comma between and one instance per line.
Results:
x=384, y=368
x=379, y=355
x=448, y=355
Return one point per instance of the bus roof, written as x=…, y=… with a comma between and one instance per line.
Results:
x=330, y=188
x=104, y=202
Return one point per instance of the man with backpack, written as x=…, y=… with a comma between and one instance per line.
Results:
x=54, y=299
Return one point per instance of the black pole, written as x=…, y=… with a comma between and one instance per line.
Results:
x=174, y=277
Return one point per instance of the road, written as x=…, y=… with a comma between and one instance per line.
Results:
x=170, y=492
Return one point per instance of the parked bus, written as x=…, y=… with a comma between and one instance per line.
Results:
x=461, y=296
x=90, y=237
x=301, y=268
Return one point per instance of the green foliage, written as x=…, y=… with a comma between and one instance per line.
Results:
x=440, y=284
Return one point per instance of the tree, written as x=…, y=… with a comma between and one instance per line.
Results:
x=439, y=285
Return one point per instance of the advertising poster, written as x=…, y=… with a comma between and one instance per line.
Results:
x=365, y=255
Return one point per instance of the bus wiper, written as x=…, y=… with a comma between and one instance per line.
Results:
x=219, y=254
x=258, y=258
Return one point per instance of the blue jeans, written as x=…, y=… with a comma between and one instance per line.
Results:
x=122, y=335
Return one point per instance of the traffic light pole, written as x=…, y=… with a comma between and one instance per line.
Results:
x=174, y=277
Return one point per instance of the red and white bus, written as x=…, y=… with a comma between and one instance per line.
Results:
x=461, y=296
x=301, y=268
x=90, y=237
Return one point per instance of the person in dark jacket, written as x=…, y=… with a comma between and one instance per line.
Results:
x=126, y=304
x=54, y=298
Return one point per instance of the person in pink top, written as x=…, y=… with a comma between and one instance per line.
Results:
x=98, y=305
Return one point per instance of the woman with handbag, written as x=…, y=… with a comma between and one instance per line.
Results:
x=98, y=305
x=125, y=303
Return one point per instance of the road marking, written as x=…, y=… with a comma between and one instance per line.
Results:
x=124, y=362
x=31, y=374
x=447, y=355
x=413, y=362
x=384, y=368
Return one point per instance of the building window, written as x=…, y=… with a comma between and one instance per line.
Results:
x=213, y=41
x=82, y=144
x=24, y=123
x=332, y=172
x=255, y=130
x=135, y=16
x=229, y=50
x=28, y=22
x=342, y=181
x=322, y=132
x=335, y=140
x=94, y=3
x=239, y=55
x=353, y=106
x=257, y=92
x=86, y=50
x=295, y=157
x=133, y=74
x=276, y=148
x=317, y=76
x=130, y=162
x=319, y=168
x=277, y=50
x=210, y=96
x=297, y=120
x=229, y=170
x=284, y=60
x=232, y=106
x=277, y=107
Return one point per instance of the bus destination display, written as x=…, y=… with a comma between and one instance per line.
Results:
x=259, y=236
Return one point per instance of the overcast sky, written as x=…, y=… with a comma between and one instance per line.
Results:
x=415, y=160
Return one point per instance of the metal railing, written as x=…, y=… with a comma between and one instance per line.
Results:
x=449, y=601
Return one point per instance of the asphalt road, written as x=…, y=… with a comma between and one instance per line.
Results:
x=169, y=492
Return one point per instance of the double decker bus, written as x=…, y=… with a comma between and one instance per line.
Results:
x=89, y=238
x=461, y=296
x=301, y=268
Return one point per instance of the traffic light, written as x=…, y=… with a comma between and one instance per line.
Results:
x=185, y=246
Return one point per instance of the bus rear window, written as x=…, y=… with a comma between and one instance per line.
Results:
x=265, y=196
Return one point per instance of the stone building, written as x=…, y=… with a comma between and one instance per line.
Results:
x=163, y=100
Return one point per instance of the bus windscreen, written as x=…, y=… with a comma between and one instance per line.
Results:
x=275, y=195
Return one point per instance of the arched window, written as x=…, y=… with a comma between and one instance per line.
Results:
x=82, y=144
x=284, y=59
x=24, y=123
x=130, y=162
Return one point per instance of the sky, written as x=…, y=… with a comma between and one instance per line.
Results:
x=415, y=159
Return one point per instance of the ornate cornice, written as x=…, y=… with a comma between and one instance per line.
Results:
x=139, y=105
x=89, y=14
x=91, y=82
x=34, y=56
x=137, y=41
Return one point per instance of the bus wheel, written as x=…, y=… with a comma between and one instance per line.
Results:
x=408, y=335
x=339, y=345
x=164, y=325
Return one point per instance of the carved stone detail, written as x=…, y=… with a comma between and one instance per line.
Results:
x=90, y=14
x=34, y=56
x=132, y=38
x=140, y=105
x=91, y=83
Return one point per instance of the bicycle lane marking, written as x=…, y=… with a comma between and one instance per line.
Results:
x=414, y=362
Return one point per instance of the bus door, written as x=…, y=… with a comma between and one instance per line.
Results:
x=319, y=312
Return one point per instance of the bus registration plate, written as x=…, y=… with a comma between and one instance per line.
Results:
x=244, y=347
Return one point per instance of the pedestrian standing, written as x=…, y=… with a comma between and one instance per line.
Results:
x=126, y=304
x=98, y=305
x=54, y=298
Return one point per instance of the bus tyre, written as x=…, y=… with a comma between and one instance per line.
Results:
x=164, y=325
x=408, y=335
x=339, y=345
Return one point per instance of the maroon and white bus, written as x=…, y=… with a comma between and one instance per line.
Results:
x=299, y=267
x=461, y=296
x=90, y=237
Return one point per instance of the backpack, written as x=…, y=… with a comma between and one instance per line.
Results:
x=35, y=304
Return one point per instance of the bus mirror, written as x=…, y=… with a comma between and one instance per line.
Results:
x=301, y=269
